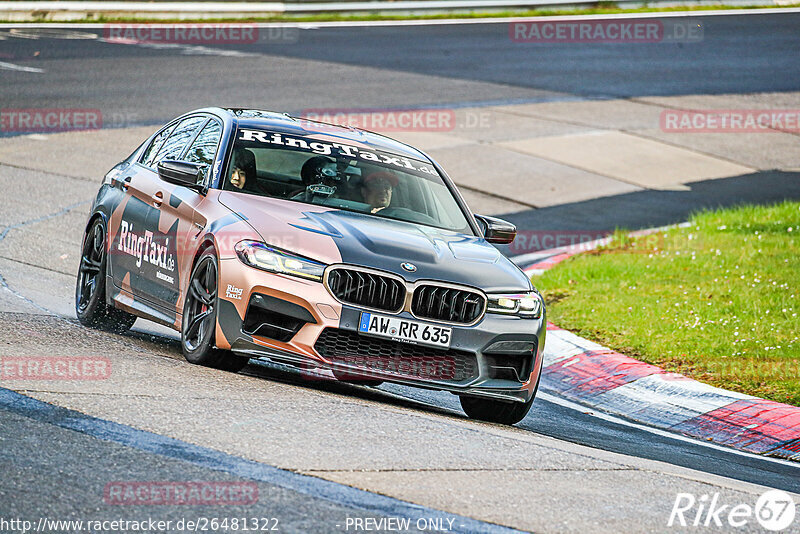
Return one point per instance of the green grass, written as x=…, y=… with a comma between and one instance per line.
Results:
x=717, y=301
x=603, y=8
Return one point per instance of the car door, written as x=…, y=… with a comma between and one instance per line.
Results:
x=127, y=224
x=178, y=221
x=149, y=250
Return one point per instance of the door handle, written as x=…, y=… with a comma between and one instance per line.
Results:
x=158, y=198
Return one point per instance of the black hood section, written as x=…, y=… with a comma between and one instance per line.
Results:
x=385, y=244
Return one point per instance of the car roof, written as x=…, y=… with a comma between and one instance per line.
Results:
x=287, y=124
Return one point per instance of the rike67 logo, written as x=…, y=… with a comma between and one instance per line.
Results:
x=774, y=511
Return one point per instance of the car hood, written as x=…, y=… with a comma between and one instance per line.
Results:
x=337, y=236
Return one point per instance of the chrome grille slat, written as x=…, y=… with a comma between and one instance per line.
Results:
x=443, y=301
x=453, y=302
x=359, y=287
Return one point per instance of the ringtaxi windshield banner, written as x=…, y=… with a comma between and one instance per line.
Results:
x=337, y=149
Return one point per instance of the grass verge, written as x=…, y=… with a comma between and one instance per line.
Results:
x=716, y=301
x=604, y=8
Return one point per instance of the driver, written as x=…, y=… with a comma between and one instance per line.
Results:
x=377, y=189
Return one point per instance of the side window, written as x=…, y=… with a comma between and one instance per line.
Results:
x=150, y=152
x=204, y=147
x=174, y=145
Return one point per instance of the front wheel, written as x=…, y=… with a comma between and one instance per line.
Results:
x=200, y=319
x=90, y=289
x=495, y=411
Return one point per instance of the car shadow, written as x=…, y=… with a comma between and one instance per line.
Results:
x=320, y=381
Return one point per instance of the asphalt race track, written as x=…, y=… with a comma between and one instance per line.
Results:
x=385, y=67
x=312, y=446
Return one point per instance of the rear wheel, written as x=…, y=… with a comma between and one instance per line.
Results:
x=198, y=328
x=90, y=289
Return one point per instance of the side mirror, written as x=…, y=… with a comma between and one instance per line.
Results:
x=191, y=175
x=496, y=230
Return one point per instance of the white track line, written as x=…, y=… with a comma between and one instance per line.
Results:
x=593, y=412
x=20, y=68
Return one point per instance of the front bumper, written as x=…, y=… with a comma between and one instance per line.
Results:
x=499, y=357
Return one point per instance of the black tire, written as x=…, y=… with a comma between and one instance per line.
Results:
x=198, y=328
x=496, y=411
x=354, y=378
x=90, y=288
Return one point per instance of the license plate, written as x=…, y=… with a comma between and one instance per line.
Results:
x=404, y=330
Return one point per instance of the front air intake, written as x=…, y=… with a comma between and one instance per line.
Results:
x=379, y=356
x=274, y=318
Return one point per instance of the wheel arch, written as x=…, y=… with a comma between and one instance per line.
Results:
x=96, y=214
x=206, y=243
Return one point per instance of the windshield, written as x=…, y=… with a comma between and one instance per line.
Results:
x=342, y=176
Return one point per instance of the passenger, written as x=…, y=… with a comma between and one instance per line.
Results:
x=377, y=189
x=244, y=171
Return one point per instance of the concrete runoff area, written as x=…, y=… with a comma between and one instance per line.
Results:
x=630, y=159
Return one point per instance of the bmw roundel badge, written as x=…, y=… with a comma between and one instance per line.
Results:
x=410, y=267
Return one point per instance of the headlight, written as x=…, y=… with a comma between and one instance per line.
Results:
x=527, y=305
x=261, y=256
